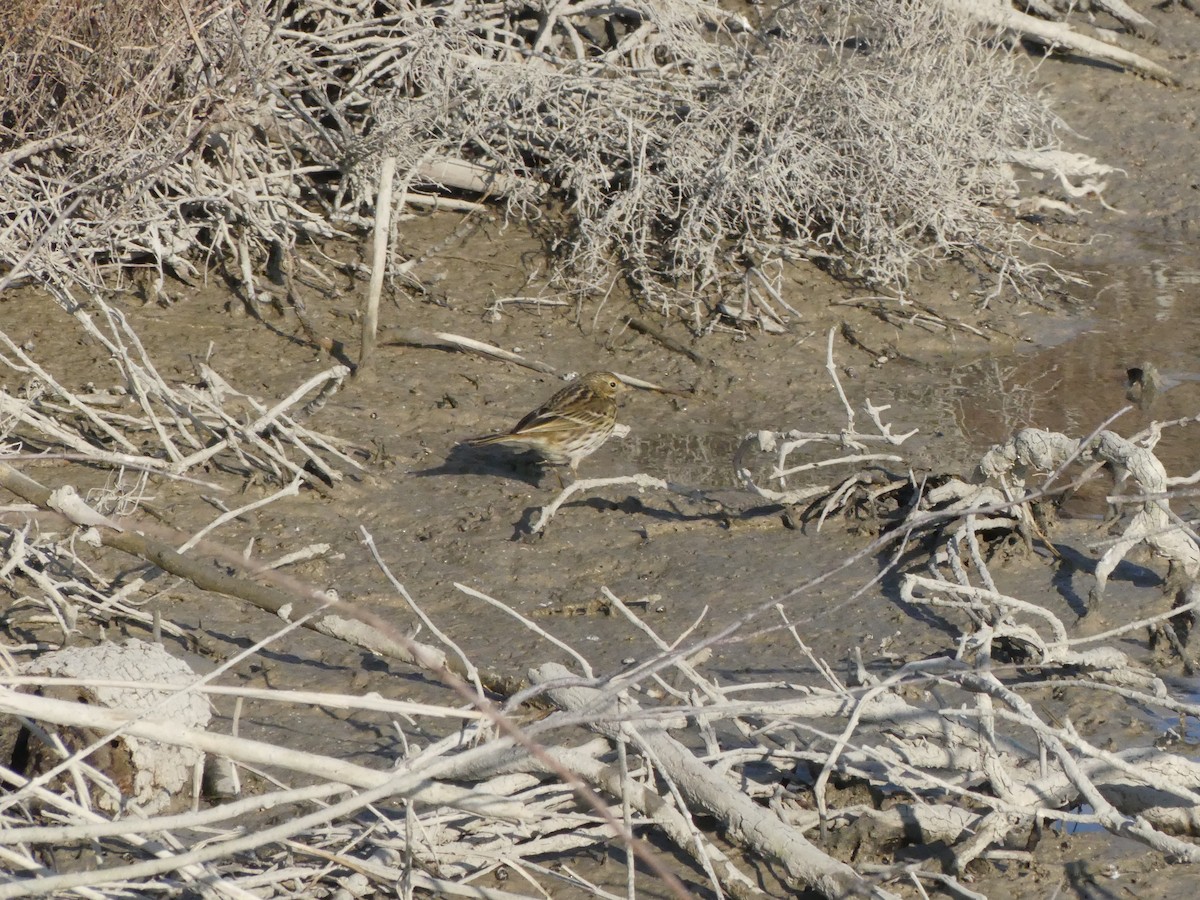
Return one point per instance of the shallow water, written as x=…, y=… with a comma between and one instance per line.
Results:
x=697, y=458
x=1073, y=378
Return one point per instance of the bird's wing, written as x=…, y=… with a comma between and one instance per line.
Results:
x=548, y=410
x=551, y=421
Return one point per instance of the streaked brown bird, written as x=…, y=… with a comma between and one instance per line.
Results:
x=570, y=425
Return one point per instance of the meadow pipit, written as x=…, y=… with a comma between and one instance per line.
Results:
x=570, y=425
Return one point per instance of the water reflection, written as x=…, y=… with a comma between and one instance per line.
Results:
x=697, y=459
x=1171, y=288
x=1145, y=313
x=1071, y=379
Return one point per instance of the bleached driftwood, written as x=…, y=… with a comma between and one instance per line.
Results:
x=165, y=731
x=191, y=425
x=782, y=445
x=1059, y=34
x=1033, y=450
x=743, y=820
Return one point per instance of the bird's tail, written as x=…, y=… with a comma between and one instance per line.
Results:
x=488, y=439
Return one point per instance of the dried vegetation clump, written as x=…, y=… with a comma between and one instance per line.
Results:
x=684, y=146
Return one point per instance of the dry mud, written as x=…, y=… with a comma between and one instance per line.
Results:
x=439, y=515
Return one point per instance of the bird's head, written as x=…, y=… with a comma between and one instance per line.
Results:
x=603, y=384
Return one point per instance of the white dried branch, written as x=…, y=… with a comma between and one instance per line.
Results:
x=685, y=666
x=23, y=411
x=1057, y=34
x=1144, y=778
x=54, y=801
x=1126, y=15
x=1032, y=450
x=254, y=429
x=66, y=500
x=369, y=702
x=441, y=887
x=857, y=459
x=422, y=338
x=292, y=489
x=78, y=590
x=65, y=834
x=379, y=252
x=916, y=873
x=312, y=551
x=1074, y=773
x=389, y=786
x=180, y=415
x=144, y=380
x=782, y=445
x=471, y=671
x=257, y=753
x=1192, y=606
x=528, y=623
x=27, y=365
x=640, y=480
x=743, y=820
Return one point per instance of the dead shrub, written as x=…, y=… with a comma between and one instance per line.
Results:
x=686, y=145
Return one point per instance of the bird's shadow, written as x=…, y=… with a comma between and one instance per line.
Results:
x=1076, y=563
x=492, y=462
x=634, y=505
x=1072, y=563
